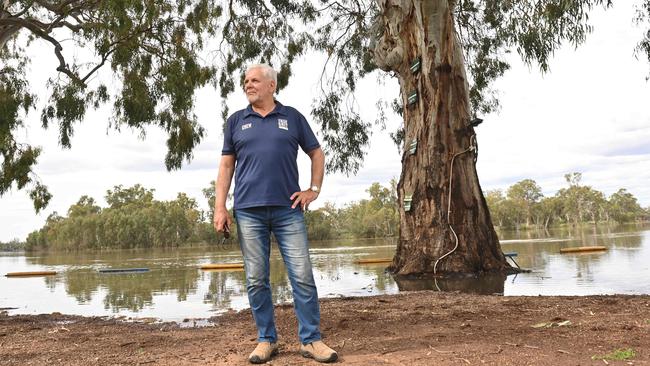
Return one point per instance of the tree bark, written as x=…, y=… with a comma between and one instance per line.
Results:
x=440, y=123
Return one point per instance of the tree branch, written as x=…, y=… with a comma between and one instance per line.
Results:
x=110, y=51
x=63, y=66
x=56, y=9
x=22, y=12
x=98, y=66
x=226, y=27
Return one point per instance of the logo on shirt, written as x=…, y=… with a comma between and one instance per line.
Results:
x=283, y=124
x=246, y=126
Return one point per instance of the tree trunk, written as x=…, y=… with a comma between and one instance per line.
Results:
x=440, y=123
x=548, y=219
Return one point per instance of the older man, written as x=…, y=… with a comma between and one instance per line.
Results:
x=263, y=139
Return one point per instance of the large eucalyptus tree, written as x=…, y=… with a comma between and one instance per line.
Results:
x=444, y=53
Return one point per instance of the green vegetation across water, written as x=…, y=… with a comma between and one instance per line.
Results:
x=524, y=205
x=12, y=246
x=134, y=219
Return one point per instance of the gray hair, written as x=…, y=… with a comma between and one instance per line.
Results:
x=268, y=71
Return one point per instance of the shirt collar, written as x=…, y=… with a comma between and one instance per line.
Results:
x=279, y=109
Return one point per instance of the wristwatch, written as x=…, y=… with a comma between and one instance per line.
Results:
x=314, y=189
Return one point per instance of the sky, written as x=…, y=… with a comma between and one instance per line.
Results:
x=589, y=114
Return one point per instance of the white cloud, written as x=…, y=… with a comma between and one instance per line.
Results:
x=589, y=114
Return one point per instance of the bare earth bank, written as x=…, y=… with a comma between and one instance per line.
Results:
x=416, y=328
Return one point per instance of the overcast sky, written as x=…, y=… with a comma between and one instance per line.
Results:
x=589, y=114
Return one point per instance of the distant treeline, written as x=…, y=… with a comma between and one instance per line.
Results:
x=376, y=217
x=134, y=219
x=12, y=246
x=524, y=205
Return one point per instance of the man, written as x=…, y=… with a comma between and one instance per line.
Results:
x=263, y=139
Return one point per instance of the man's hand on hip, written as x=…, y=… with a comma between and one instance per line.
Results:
x=222, y=220
x=303, y=198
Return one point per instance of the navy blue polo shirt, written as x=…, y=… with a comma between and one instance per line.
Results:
x=266, y=149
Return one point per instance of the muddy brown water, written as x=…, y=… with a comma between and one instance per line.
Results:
x=175, y=288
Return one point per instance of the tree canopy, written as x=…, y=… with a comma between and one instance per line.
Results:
x=161, y=52
x=152, y=47
x=524, y=204
x=135, y=219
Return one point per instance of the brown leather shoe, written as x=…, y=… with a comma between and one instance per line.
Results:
x=263, y=352
x=318, y=351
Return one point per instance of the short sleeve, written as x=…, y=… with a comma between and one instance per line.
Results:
x=308, y=141
x=228, y=146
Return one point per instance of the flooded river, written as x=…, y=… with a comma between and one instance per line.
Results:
x=174, y=288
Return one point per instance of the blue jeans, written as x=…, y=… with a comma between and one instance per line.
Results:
x=254, y=227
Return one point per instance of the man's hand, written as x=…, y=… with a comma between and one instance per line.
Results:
x=303, y=198
x=222, y=221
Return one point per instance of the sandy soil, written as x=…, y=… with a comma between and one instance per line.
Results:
x=417, y=328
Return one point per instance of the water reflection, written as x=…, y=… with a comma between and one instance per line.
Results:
x=487, y=284
x=537, y=252
x=130, y=291
x=175, y=288
x=223, y=286
x=617, y=270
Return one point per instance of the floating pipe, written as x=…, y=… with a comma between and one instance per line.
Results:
x=122, y=270
x=223, y=266
x=223, y=269
x=583, y=249
x=30, y=274
x=373, y=260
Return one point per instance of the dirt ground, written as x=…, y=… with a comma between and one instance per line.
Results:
x=416, y=328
